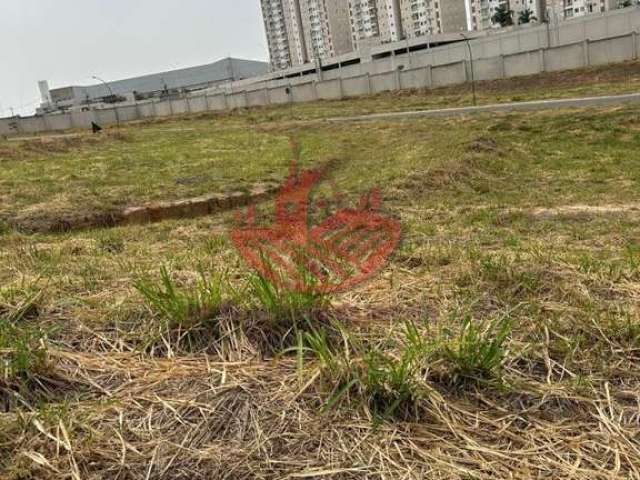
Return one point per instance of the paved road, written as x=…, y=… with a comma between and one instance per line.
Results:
x=612, y=100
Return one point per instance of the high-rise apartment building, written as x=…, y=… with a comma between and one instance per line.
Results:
x=429, y=17
x=326, y=27
x=390, y=20
x=478, y=14
x=419, y=18
x=453, y=16
x=273, y=14
x=365, y=26
x=481, y=12
x=300, y=31
x=564, y=9
x=297, y=44
x=375, y=21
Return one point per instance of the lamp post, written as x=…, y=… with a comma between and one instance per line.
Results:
x=115, y=108
x=473, y=78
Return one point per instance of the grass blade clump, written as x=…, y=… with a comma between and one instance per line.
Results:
x=22, y=352
x=184, y=310
x=283, y=304
x=22, y=347
x=388, y=383
x=479, y=349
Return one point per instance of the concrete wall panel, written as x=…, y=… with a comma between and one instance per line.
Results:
x=105, y=117
x=197, y=104
x=237, y=100
x=532, y=40
x=595, y=27
x=279, y=95
x=5, y=129
x=352, y=87
x=380, y=65
x=179, y=106
x=603, y=52
x=331, y=74
x=163, y=108
x=384, y=82
x=563, y=58
x=569, y=32
x=510, y=44
x=527, y=63
x=303, y=93
x=257, y=98
x=450, y=54
x=488, y=68
x=617, y=24
x=449, y=74
x=128, y=113
x=32, y=124
x=216, y=102
x=59, y=121
x=414, y=78
x=329, y=90
x=145, y=110
x=420, y=59
x=81, y=119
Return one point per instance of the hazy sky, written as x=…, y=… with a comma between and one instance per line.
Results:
x=68, y=41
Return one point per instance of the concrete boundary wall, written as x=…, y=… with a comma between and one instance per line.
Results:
x=355, y=85
x=382, y=82
x=415, y=78
x=449, y=74
x=587, y=52
x=330, y=89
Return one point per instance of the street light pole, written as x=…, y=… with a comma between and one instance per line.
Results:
x=115, y=108
x=473, y=78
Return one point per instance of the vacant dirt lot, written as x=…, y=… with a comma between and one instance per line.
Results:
x=501, y=340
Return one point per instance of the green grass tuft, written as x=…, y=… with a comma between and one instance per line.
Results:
x=479, y=349
x=182, y=307
x=285, y=305
x=388, y=383
x=22, y=346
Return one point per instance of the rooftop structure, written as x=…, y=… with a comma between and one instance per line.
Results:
x=149, y=86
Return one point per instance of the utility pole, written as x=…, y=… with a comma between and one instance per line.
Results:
x=115, y=107
x=473, y=78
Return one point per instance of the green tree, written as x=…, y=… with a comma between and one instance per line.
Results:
x=527, y=16
x=503, y=16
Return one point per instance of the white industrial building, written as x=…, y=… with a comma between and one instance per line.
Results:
x=157, y=85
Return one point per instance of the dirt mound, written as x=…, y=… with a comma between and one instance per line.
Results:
x=17, y=149
x=47, y=222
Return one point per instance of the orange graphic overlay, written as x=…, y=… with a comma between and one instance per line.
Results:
x=350, y=246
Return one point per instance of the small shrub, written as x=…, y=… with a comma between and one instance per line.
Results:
x=479, y=349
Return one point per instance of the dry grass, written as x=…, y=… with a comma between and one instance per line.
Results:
x=529, y=217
